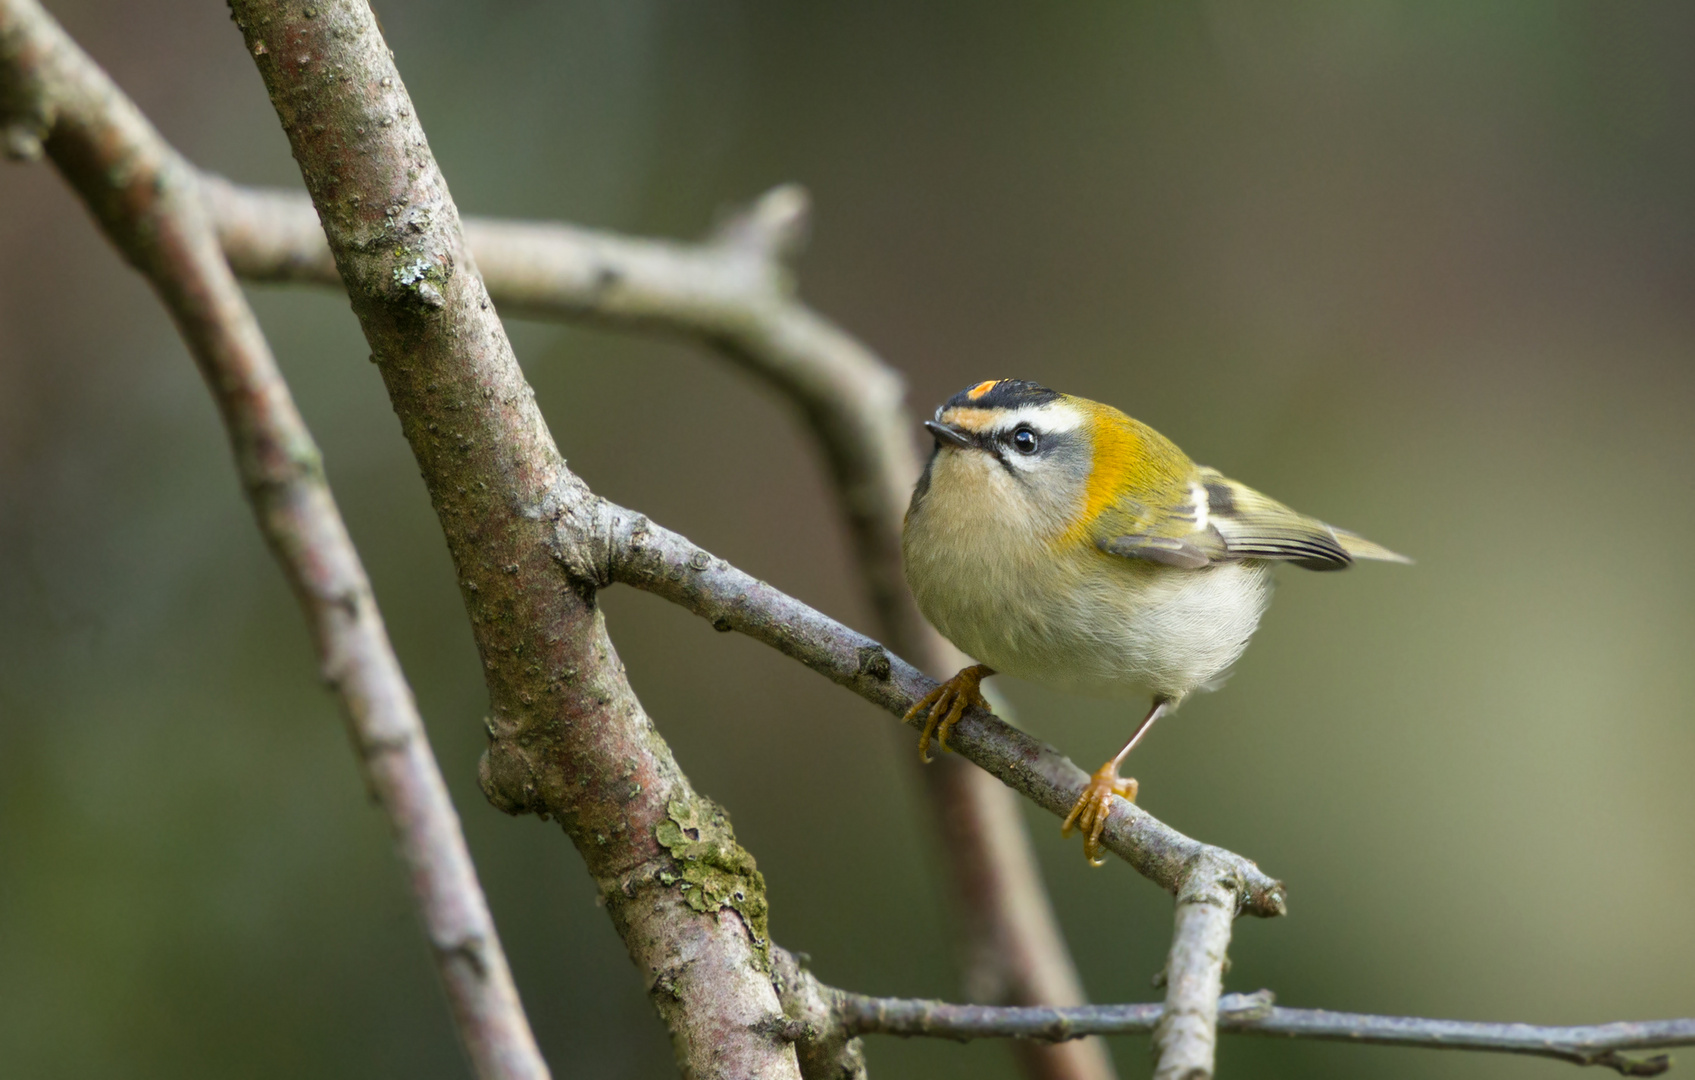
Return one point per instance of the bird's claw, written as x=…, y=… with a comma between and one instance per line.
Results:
x=946, y=704
x=1094, y=806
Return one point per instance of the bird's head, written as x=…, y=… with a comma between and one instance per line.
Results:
x=1022, y=453
x=1015, y=449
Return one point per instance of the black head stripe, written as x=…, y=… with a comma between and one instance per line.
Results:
x=1002, y=394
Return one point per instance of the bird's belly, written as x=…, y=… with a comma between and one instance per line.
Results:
x=1137, y=628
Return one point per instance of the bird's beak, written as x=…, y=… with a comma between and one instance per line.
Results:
x=948, y=436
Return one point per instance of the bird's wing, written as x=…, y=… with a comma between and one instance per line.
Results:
x=1170, y=527
x=1222, y=521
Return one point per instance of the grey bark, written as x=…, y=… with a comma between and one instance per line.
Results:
x=1606, y=1045
x=597, y=538
x=1185, y=1040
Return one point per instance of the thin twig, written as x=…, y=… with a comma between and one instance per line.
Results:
x=53, y=97
x=1254, y=1014
x=605, y=542
x=568, y=738
x=734, y=292
x=1187, y=1034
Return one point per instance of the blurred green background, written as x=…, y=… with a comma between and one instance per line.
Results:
x=1422, y=269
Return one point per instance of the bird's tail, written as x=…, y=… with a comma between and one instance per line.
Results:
x=1359, y=547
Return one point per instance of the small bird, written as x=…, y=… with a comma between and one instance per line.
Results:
x=1058, y=540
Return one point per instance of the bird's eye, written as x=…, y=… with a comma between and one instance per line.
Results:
x=1024, y=441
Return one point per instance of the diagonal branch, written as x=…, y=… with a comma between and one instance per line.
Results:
x=735, y=293
x=604, y=542
x=1254, y=1014
x=568, y=738
x=145, y=197
x=1211, y=885
x=731, y=291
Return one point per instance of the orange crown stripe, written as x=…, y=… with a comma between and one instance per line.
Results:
x=982, y=388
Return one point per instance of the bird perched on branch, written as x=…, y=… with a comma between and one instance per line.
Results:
x=1056, y=539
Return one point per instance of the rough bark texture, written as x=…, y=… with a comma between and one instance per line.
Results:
x=568, y=739
x=734, y=292
x=146, y=199
x=828, y=1050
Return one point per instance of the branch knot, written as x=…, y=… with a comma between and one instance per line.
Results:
x=774, y=228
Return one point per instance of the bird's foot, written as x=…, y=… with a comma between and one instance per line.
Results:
x=1094, y=806
x=946, y=704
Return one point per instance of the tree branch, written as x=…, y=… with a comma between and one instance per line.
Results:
x=1254, y=1014
x=424, y=291
x=145, y=198
x=52, y=97
x=568, y=738
x=735, y=293
x=1187, y=1033
x=827, y=1049
x=1014, y=951
x=731, y=291
x=1212, y=885
x=606, y=543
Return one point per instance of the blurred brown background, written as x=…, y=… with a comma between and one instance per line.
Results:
x=1424, y=270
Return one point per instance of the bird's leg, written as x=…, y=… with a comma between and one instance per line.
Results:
x=1094, y=806
x=946, y=704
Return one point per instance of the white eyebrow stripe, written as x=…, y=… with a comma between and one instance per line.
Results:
x=1052, y=418
x=1203, y=506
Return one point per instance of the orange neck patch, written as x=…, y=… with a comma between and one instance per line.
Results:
x=1131, y=460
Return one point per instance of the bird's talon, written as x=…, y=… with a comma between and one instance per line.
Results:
x=1090, y=813
x=945, y=706
x=945, y=728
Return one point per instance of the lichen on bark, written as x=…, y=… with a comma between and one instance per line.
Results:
x=714, y=872
x=568, y=737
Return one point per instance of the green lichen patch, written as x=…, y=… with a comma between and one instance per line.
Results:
x=715, y=871
x=417, y=270
x=422, y=278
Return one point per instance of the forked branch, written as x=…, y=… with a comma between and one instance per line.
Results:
x=732, y=291
x=1211, y=885
x=727, y=291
